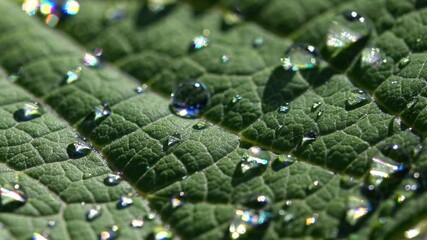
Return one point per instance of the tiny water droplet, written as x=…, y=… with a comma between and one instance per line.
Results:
x=173, y=140
x=411, y=104
x=29, y=112
x=93, y=60
x=373, y=57
x=178, y=200
x=313, y=185
x=93, y=213
x=311, y=220
x=284, y=160
x=225, y=59
x=346, y=29
x=141, y=89
x=113, y=179
x=382, y=169
x=245, y=220
x=257, y=201
x=12, y=195
x=101, y=112
x=110, y=234
x=254, y=159
x=51, y=224
x=300, y=56
x=356, y=99
x=315, y=106
x=150, y=216
x=72, y=76
x=319, y=114
x=156, y=6
x=137, y=223
x=236, y=98
x=258, y=42
x=39, y=236
x=124, y=202
x=78, y=149
x=404, y=62
x=200, y=42
x=161, y=233
x=115, y=14
x=357, y=208
x=309, y=136
x=200, y=125
x=190, y=99
x=283, y=109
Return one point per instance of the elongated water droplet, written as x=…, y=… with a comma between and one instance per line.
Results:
x=225, y=59
x=319, y=114
x=39, y=236
x=356, y=98
x=110, y=234
x=72, y=76
x=382, y=169
x=93, y=213
x=161, y=233
x=309, y=136
x=258, y=42
x=411, y=104
x=283, y=109
x=190, y=99
x=200, y=42
x=29, y=112
x=284, y=160
x=404, y=62
x=78, y=149
x=200, y=125
x=357, y=208
x=347, y=29
x=71, y=7
x=372, y=57
x=311, y=220
x=124, y=202
x=113, y=179
x=93, y=60
x=245, y=220
x=30, y=7
x=254, y=159
x=101, y=112
x=12, y=195
x=178, y=200
x=300, y=56
x=141, y=89
x=137, y=223
x=315, y=106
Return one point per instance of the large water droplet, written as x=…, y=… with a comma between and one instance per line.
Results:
x=300, y=56
x=12, y=195
x=190, y=99
x=93, y=60
x=245, y=220
x=124, y=202
x=137, y=223
x=347, y=29
x=113, y=179
x=72, y=76
x=39, y=236
x=356, y=98
x=101, y=112
x=110, y=234
x=29, y=112
x=200, y=42
x=382, y=169
x=356, y=209
x=372, y=57
x=178, y=200
x=254, y=159
x=283, y=109
x=78, y=149
x=161, y=233
x=93, y=213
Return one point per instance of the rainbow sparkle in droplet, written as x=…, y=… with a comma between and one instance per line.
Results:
x=71, y=7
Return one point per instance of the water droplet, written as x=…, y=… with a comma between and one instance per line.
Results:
x=315, y=106
x=373, y=57
x=51, y=224
x=113, y=179
x=39, y=236
x=190, y=99
x=78, y=149
x=200, y=42
x=300, y=56
x=356, y=98
x=71, y=7
x=72, y=76
x=232, y=16
x=313, y=185
x=284, y=160
x=309, y=136
x=245, y=220
x=93, y=213
x=29, y=112
x=150, y=216
x=348, y=182
x=124, y=202
x=382, y=169
x=258, y=42
x=30, y=7
x=161, y=233
x=93, y=60
x=347, y=29
x=257, y=201
x=52, y=20
x=311, y=220
x=137, y=223
x=110, y=234
x=254, y=159
x=319, y=114
x=236, y=98
x=178, y=200
x=357, y=208
x=173, y=140
x=101, y=112
x=12, y=195
x=284, y=108
x=412, y=103
x=200, y=125
x=141, y=89
x=404, y=62
x=225, y=59
x=417, y=232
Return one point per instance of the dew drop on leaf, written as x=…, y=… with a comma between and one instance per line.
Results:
x=47, y=7
x=300, y=56
x=357, y=208
x=113, y=179
x=416, y=232
x=178, y=200
x=12, y=195
x=150, y=216
x=309, y=136
x=316, y=106
x=283, y=109
x=373, y=57
x=93, y=60
x=356, y=99
x=101, y=112
x=190, y=99
x=124, y=202
x=39, y=236
x=72, y=76
x=311, y=220
x=200, y=125
x=161, y=233
x=110, y=234
x=137, y=223
x=283, y=160
x=29, y=112
x=236, y=98
x=404, y=62
x=232, y=16
x=254, y=159
x=141, y=89
x=51, y=224
x=173, y=140
x=225, y=59
x=245, y=220
x=200, y=42
x=258, y=42
x=78, y=149
x=93, y=213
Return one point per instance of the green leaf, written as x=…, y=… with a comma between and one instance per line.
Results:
x=342, y=116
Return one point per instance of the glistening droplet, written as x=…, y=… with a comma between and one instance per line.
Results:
x=357, y=208
x=177, y=200
x=356, y=99
x=78, y=149
x=284, y=108
x=29, y=112
x=109, y=234
x=300, y=56
x=93, y=213
x=12, y=195
x=255, y=159
x=245, y=220
x=161, y=233
x=113, y=179
x=124, y=202
x=93, y=60
x=72, y=76
x=190, y=99
x=200, y=42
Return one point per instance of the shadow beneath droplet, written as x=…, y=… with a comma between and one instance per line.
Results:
x=146, y=17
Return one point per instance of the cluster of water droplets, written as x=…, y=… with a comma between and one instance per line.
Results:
x=53, y=10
